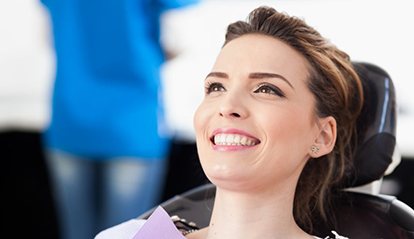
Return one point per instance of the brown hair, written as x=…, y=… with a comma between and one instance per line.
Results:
x=338, y=93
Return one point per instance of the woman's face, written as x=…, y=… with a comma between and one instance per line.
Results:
x=256, y=124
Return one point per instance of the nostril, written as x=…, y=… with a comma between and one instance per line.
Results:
x=234, y=114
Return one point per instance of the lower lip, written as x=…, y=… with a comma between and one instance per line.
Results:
x=231, y=148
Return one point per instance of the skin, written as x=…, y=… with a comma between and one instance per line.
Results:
x=257, y=90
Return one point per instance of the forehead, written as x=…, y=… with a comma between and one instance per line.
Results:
x=257, y=52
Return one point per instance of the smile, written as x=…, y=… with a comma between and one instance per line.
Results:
x=234, y=140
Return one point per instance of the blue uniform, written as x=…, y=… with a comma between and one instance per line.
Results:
x=107, y=141
x=106, y=99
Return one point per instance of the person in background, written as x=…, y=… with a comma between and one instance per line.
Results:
x=26, y=72
x=106, y=141
x=275, y=134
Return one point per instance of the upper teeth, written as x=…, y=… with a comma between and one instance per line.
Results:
x=234, y=139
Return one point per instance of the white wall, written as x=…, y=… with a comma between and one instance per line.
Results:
x=26, y=65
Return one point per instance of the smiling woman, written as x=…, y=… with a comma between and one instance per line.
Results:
x=275, y=130
x=251, y=103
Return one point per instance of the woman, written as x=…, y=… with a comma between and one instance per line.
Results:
x=276, y=130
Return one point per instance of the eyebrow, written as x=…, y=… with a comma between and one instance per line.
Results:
x=254, y=75
x=217, y=74
x=263, y=75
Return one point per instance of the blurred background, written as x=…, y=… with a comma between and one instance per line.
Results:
x=378, y=32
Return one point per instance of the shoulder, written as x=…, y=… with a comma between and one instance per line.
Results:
x=125, y=230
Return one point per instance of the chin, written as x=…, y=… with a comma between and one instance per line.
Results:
x=230, y=180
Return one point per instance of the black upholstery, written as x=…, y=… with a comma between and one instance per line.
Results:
x=194, y=205
x=358, y=215
x=367, y=216
x=376, y=126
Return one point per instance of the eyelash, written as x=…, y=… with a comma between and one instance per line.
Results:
x=213, y=87
x=269, y=89
x=262, y=88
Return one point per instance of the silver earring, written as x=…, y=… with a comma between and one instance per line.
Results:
x=314, y=149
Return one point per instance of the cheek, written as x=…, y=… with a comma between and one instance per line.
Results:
x=288, y=135
x=285, y=154
x=199, y=122
x=200, y=119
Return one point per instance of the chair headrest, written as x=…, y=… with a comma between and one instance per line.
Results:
x=376, y=126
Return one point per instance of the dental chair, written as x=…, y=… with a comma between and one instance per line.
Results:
x=361, y=211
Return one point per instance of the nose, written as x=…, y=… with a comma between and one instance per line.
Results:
x=230, y=114
x=232, y=107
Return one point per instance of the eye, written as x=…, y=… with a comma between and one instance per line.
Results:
x=214, y=87
x=269, y=89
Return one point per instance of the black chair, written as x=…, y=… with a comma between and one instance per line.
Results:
x=359, y=215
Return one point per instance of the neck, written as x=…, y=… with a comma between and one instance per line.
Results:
x=254, y=215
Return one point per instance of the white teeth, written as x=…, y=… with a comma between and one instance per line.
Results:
x=233, y=139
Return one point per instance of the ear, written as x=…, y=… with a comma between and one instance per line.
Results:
x=326, y=138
